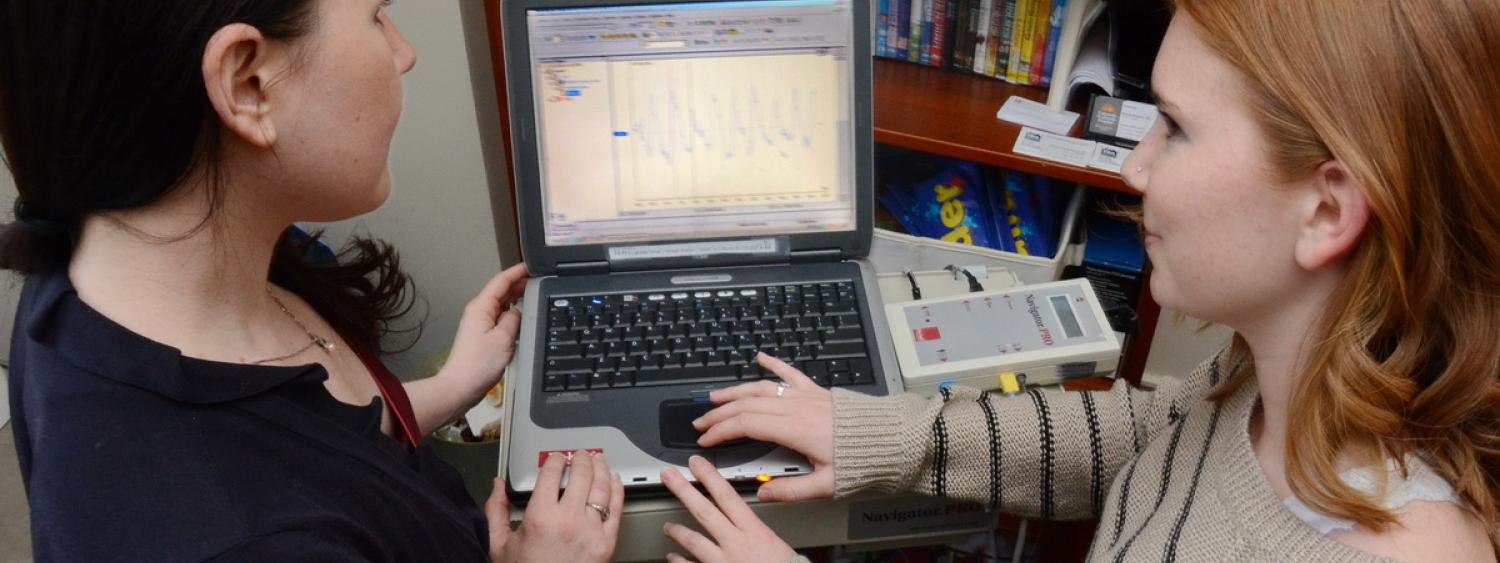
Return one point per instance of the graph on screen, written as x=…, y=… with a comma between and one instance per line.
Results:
x=725, y=131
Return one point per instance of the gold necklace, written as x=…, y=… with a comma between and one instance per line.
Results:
x=313, y=339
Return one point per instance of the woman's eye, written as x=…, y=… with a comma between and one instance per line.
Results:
x=1172, y=130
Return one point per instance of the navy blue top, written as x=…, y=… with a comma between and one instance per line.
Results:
x=132, y=452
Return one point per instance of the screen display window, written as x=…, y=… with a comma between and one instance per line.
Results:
x=698, y=120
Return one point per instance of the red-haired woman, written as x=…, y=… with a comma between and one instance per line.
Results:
x=1323, y=181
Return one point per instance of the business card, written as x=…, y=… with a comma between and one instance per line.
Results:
x=1053, y=147
x=1035, y=114
x=1108, y=157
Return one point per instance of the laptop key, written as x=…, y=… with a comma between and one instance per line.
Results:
x=800, y=352
x=599, y=380
x=750, y=372
x=577, y=381
x=860, y=372
x=674, y=376
x=554, y=382
x=569, y=365
x=840, y=350
x=815, y=367
x=840, y=378
x=564, y=351
x=846, y=334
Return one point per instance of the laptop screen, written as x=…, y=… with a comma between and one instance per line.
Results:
x=694, y=120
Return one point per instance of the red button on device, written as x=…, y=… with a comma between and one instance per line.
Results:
x=926, y=333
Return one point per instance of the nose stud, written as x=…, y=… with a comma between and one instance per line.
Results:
x=1138, y=169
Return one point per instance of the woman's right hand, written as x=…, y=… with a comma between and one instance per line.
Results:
x=800, y=419
x=560, y=527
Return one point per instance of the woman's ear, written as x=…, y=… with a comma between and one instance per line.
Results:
x=237, y=66
x=1338, y=212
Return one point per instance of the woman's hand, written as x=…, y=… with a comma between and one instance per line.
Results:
x=738, y=535
x=486, y=337
x=569, y=528
x=800, y=419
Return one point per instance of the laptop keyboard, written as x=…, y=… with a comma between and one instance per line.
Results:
x=623, y=340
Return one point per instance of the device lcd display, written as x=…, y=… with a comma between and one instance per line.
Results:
x=1065, y=314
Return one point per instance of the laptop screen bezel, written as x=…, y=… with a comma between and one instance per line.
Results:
x=542, y=259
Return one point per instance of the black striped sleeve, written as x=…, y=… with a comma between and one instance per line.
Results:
x=1213, y=426
x=995, y=450
x=1096, y=455
x=940, y=450
x=1161, y=494
x=1049, y=453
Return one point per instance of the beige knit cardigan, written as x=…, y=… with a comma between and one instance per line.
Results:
x=1170, y=474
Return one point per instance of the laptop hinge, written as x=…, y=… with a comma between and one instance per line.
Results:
x=576, y=268
x=817, y=255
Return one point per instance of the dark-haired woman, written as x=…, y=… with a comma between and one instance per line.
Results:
x=189, y=382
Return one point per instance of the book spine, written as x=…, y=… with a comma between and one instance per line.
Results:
x=982, y=35
x=976, y=8
x=1003, y=29
x=902, y=9
x=1042, y=25
x=963, y=47
x=958, y=56
x=1054, y=35
x=1020, y=43
x=914, y=39
x=950, y=37
x=939, y=35
x=881, y=18
x=893, y=33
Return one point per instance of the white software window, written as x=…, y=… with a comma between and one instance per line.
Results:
x=677, y=121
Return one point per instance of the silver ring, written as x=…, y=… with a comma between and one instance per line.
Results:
x=781, y=388
x=603, y=511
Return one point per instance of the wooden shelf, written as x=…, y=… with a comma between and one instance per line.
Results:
x=953, y=114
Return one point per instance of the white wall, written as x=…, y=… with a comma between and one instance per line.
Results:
x=10, y=284
x=1179, y=346
x=438, y=216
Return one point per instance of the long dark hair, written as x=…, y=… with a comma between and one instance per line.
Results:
x=103, y=107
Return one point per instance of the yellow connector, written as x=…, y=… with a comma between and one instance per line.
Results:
x=1010, y=383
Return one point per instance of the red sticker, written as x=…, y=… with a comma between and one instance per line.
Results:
x=541, y=457
x=926, y=333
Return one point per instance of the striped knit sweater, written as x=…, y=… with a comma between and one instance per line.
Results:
x=1170, y=475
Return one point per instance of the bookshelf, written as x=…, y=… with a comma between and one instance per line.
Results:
x=953, y=114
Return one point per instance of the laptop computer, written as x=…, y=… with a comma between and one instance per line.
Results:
x=695, y=185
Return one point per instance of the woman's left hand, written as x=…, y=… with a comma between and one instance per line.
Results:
x=487, y=333
x=738, y=536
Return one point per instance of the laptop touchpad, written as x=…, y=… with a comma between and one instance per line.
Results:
x=677, y=416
